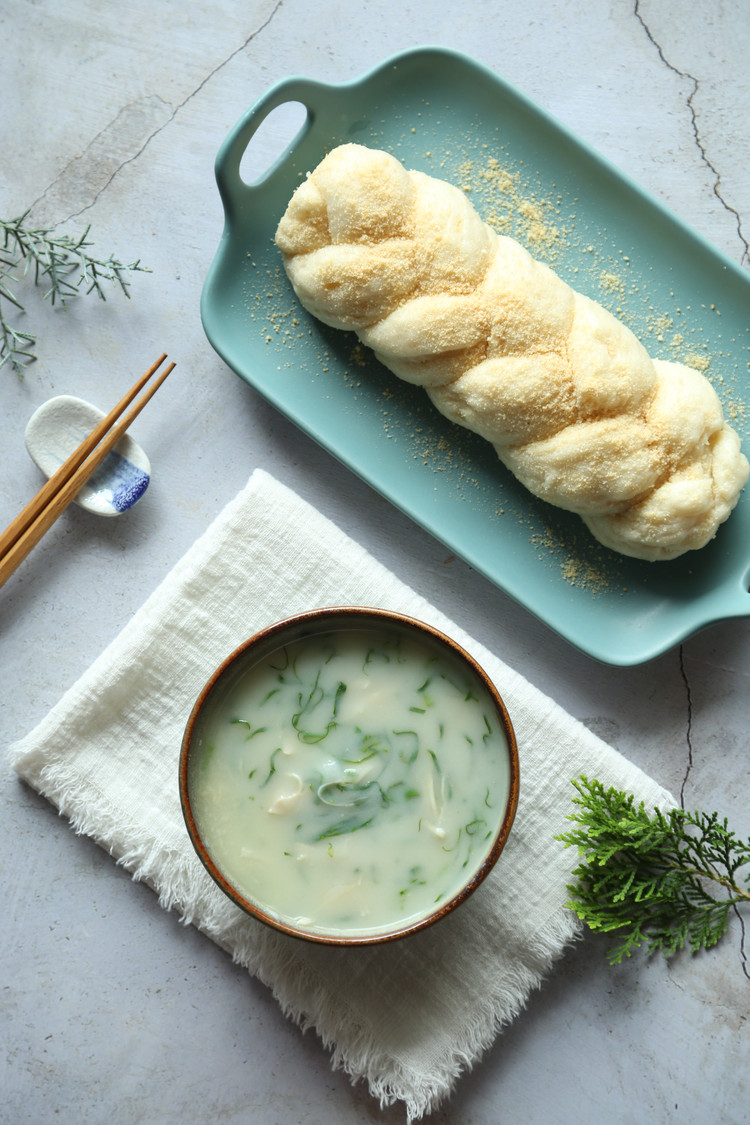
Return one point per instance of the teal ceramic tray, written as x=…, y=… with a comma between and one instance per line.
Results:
x=447, y=115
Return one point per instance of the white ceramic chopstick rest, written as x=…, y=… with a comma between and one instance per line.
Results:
x=58, y=427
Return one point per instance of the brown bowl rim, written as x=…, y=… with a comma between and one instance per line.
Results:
x=319, y=616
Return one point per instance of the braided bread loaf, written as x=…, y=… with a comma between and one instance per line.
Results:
x=567, y=395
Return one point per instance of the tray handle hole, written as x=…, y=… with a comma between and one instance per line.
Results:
x=271, y=141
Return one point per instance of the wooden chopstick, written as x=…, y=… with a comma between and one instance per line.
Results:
x=53, y=498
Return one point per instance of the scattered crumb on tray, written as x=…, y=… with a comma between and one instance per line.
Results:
x=545, y=221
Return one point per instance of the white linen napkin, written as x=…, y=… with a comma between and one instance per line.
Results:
x=415, y=1013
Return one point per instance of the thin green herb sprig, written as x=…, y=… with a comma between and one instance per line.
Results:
x=60, y=262
x=652, y=874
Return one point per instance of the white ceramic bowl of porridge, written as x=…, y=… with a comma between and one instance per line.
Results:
x=349, y=775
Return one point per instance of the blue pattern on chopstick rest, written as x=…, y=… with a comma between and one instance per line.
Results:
x=118, y=482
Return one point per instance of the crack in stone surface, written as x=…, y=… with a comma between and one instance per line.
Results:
x=717, y=186
x=101, y=159
x=688, y=727
x=742, y=949
x=99, y=151
x=744, y=965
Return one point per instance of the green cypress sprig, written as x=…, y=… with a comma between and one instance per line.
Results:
x=668, y=880
x=63, y=264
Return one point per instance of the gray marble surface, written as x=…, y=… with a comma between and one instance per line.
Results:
x=112, y=115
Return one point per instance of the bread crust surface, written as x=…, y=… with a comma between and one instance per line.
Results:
x=567, y=395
